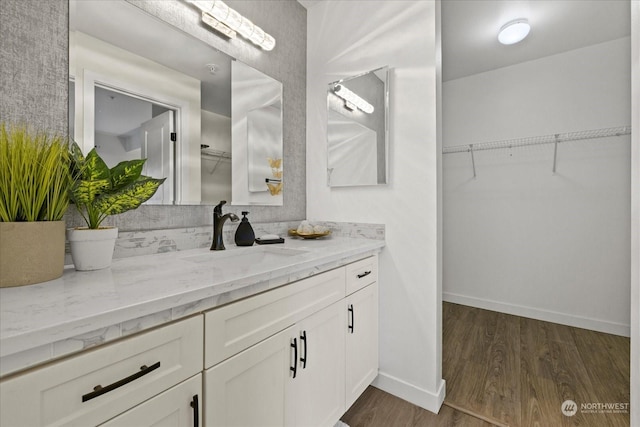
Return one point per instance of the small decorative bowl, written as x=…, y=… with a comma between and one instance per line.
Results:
x=294, y=232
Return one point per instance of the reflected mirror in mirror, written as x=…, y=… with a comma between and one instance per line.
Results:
x=256, y=111
x=118, y=48
x=357, y=131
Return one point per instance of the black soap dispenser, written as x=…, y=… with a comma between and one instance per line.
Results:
x=244, y=234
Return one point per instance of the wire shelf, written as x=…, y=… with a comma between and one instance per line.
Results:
x=216, y=153
x=539, y=140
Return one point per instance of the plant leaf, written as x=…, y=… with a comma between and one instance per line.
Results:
x=129, y=197
x=84, y=192
x=77, y=160
x=125, y=173
x=94, y=168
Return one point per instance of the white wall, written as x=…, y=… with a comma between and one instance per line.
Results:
x=346, y=38
x=518, y=238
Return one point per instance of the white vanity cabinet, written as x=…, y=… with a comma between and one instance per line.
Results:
x=296, y=355
x=97, y=385
x=281, y=358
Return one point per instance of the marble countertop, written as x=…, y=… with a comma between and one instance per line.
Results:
x=144, y=291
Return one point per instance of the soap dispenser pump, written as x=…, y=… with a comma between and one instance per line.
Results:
x=244, y=234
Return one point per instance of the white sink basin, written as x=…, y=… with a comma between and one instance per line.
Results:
x=245, y=257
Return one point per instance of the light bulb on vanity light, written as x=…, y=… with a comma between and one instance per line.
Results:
x=514, y=31
x=228, y=21
x=352, y=99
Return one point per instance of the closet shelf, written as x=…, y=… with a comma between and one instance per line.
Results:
x=539, y=140
x=216, y=153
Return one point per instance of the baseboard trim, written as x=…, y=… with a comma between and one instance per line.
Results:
x=411, y=393
x=540, y=314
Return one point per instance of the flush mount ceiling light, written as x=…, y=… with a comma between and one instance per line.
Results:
x=227, y=21
x=514, y=31
x=351, y=100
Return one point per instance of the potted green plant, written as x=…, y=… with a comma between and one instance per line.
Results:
x=34, y=195
x=98, y=192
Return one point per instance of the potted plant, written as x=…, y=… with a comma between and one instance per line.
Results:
x=99, y=191
x=34, y=195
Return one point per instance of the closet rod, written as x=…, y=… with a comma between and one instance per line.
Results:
x=538, y=140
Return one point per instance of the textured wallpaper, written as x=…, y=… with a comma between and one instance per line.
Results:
x=34, y=54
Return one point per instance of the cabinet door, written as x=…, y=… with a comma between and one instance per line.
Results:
x=319, y=384
x=361, y=342
x=177, y=407
x=252, y=387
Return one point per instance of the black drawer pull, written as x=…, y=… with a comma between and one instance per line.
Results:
x=196, y=411
x=294, y=368
x=366, y=273
x=353, y=320
x=99, y=390
x=303, y=337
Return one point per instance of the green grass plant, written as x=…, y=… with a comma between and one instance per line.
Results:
x=34, y=175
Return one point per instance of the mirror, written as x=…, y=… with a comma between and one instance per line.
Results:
x=357, y=131
x=130, y=69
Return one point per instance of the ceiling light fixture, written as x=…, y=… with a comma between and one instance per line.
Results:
x=227, y=21
x=351, y=100
x=514, y=31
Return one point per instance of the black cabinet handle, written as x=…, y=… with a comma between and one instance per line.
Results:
x=352, y=323
x=303, y=337
x=294, y=368
x=99, y=390
x=196, y=411
x=366, y=273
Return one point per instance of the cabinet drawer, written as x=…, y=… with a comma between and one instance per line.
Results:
x=235, y=327
x=128, y=371
x=180, y=406
x=361, y=273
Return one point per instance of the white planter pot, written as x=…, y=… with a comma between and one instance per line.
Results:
x=92, y=249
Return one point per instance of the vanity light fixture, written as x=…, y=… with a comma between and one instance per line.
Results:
x=514, y=31
x=351, y=100
x=227, y=21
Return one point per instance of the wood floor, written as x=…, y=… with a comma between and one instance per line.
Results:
x=513, y=371
x=375, y=408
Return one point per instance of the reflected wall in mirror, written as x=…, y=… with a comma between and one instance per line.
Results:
x=357, y=131
x=119, y=52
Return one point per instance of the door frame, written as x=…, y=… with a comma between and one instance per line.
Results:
x=85, y=102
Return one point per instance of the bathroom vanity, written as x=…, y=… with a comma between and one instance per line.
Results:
x=264, y=335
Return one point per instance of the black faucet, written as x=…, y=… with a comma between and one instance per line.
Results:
x=218, y=222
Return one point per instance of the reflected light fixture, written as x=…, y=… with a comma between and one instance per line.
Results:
x=227, y=21
x=352, y=100
x=514, y=31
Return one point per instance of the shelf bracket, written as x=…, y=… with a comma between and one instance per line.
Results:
x=473, y=160
x=555, y=151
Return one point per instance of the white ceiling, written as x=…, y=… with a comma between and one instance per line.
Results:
x=470, y=30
